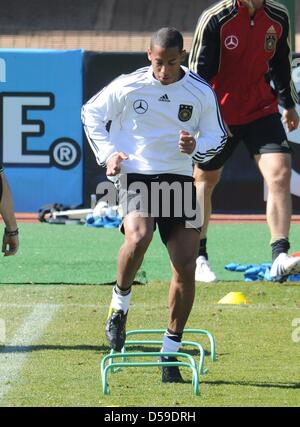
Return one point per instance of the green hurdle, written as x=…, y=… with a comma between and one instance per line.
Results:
x=109, y=363
x=213, y=352
x=105, y=368
x=201, y=369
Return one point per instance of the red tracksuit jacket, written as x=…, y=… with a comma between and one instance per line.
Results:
x=240, y=55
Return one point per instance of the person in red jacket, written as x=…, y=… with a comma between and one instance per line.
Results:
x=240, y=47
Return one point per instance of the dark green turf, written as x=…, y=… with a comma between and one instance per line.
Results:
x=75, y=254
x=257, y=345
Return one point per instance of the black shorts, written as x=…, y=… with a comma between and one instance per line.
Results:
x=266, y=135
x=168, y=198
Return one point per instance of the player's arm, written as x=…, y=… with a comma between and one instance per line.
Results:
x=205, y=51
x=97, y=116
x=280, y=68
x=10, y=241
x=212, y=135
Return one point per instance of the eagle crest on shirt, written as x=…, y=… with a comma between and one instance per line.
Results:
x=185, y=112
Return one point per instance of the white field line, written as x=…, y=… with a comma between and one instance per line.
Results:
x=203, y=308
x=30, y=331
x=14, y=305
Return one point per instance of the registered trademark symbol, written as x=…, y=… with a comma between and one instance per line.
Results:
x=64, y=153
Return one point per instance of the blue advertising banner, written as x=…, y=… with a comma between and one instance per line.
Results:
x=41, y=132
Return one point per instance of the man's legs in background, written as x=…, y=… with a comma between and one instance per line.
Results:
x=206, y=177
x=276, y=170
x=205, y=180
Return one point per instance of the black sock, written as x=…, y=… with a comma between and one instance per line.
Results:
x=281, y=245
x=120, y=291
x=174, y=336
x=202, y=249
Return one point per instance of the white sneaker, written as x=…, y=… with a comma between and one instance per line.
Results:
x=203, y=271
x=283, y=266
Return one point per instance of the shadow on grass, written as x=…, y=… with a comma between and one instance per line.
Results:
x=42, y=347
x=286, y=385
x=101, y=349
x=2, y=283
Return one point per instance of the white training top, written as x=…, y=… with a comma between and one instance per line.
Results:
x=146, y=118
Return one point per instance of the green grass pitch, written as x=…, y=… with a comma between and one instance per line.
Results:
x=54, y=333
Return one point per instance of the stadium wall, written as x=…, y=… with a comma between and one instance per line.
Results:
x=99, y=25
x=44, y=152
x=41, y=131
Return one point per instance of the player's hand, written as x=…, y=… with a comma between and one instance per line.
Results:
x=290, y=119
x=114, y=164
x=10, y=244
x=186, y=142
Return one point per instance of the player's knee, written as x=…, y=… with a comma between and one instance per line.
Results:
x=207, y=178
x=185, y=269
x=280, y=181
x=140, y=239
x=213, y=177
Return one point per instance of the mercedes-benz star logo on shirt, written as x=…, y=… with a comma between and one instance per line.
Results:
x=140, y=106
x=231, y=42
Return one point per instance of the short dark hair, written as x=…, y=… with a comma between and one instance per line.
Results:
x=167, y=37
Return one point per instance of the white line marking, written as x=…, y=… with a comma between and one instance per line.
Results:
x=31, y=330
x=55, y=305
x=137, y=305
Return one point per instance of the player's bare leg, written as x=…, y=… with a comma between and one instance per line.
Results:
x=138, y=235
x=183, y=248
x=206, y=182
x=276, y=170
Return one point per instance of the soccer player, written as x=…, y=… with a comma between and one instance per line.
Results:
x=148, y=127
x=10, y=241
x=239, y=46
